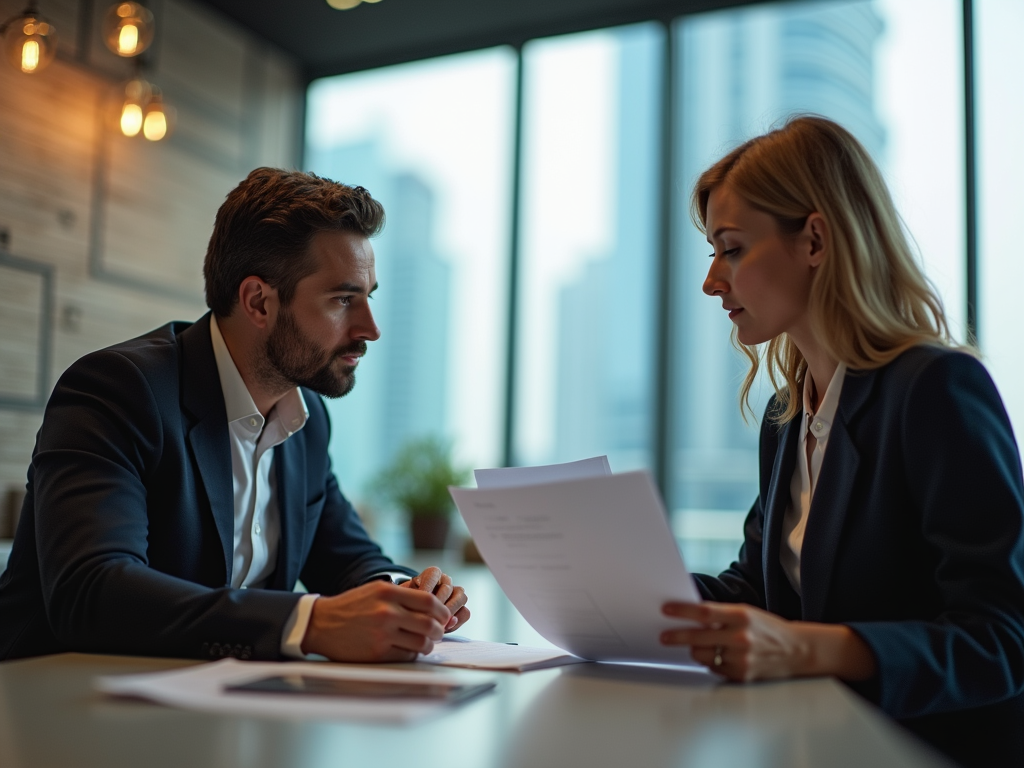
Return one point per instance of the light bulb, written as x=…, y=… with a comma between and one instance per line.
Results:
x=131, y=119
x=128, y=28
x=155, y=126
x=30, y=56
x=128, y=40
x=30, y=43
x=343, y=5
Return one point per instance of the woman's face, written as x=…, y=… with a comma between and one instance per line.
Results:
x=762, y=276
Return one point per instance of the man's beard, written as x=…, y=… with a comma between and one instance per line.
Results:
x=291, y=359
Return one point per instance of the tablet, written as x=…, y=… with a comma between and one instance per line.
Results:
x=312, y=685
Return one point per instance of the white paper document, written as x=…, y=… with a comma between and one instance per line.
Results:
x=454, y=651
x=202, y=687
x=588, y=562
x=513, y=477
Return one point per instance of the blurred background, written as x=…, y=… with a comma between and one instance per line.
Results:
x=540, y=279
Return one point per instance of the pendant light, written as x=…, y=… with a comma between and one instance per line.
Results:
x=30, y=41
x=128, y=28
x=144, y=112
x=156, y=118
x=347, y=5
x=136, y=98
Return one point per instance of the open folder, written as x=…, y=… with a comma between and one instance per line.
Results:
x=587, y=557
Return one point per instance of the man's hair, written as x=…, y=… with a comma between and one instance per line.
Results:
x=265, y=226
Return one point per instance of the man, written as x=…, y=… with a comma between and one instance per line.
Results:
x=180, y=483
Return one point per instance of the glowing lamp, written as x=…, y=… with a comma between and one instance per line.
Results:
x=143, y=111
x=30, y=42
x=157, y=119
x=128, y=29
x=137, y=94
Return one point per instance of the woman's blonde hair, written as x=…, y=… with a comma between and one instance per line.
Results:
x=869, y=299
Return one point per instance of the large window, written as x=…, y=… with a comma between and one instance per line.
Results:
x=611, y=345
x=589, y=234
x=890, y=72
x=1000, y=114
x=433, y=142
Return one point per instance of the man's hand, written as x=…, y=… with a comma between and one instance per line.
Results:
x=376, y=622
x=433, y=581
x=745, y=643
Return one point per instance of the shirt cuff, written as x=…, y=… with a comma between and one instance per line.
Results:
x=395, y=577
x=296, y=626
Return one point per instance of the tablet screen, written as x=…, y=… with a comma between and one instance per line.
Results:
x=312, y=685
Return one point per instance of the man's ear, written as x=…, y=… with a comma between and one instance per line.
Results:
x=818, y=238
x=258, y=302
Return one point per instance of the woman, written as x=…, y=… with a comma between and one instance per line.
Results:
x=885, y=547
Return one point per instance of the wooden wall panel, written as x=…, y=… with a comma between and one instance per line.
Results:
x=121, y=224
x=47, y=140
x=209, y=58
x=160, y=203
x=22, y=296
x=17, y=436
x=281, y=104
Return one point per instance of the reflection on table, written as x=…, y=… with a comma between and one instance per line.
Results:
x=586, y=715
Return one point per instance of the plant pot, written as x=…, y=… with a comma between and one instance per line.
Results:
x=429, y=532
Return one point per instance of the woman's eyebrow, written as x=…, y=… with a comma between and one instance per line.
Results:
x=724, y=228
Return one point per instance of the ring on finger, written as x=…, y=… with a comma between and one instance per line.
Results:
x=717, y=661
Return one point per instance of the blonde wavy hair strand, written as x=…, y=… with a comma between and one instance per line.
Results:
x=869, y=299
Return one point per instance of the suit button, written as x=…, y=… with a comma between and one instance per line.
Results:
x=215, y=649
x=204, y=649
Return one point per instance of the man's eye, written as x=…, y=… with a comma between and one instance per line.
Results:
x=344, y=300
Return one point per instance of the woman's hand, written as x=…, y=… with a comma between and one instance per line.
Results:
x=744, y=643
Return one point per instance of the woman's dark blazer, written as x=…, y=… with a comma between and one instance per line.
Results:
x=915, y=540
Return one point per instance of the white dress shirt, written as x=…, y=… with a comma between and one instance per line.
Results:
x=257, y=530
x=805, y=477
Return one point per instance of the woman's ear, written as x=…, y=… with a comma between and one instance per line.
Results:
x=818, y=238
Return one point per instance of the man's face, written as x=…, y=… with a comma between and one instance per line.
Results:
x=318, y=339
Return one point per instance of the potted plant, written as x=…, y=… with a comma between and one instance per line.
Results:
x=417, y=481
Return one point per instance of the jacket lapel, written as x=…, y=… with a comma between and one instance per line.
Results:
x=774, y=513
x=208, y=435
x=290, y=469
x=832, y=495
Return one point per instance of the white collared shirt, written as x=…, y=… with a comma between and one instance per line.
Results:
x=805, y=477
x=253, y=439
x=257, y=528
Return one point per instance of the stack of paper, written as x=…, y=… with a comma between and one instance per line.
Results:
x=206, y=687
x=454, y=651
x=587, y=557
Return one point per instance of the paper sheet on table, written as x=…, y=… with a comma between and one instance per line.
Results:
x=513, y=477
x=587, y=562
x=202, y=687
x=478, y=654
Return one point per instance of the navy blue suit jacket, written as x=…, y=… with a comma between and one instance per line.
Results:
x=915, y=539
x=125, y=539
